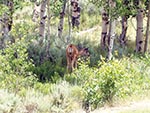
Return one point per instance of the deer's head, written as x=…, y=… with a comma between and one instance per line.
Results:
x=84, y=52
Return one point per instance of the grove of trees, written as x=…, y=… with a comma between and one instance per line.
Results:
x=111, y=10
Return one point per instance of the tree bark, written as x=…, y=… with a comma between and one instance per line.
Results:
x=139, y=32
x=42, y=20
x=147, y=30
x=75, y=10
x=8, y=17
x=124, y=31
x=36, y=12
x=124, y=24
x=61, y=22
x=105, y=24
x=111, y=32
x=7, y=21
x=69, y=23
x=48, y=31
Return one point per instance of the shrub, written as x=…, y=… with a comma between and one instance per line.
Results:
x=48, y=71
x=15, y=58
x=62, y=99
x=14, y=67
x=114, y=79
x=49, y=65
x=9, y=101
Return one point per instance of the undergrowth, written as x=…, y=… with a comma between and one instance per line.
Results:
x=105, y=82
x=112, y=80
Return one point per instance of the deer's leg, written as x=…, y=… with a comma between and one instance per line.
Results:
x=75, y=63
x=72, y=65
x=68, y=64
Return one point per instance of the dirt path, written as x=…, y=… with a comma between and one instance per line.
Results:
x=141, y=105
x=132, y=107
x=88, y=30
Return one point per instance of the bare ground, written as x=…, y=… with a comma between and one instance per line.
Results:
x=140, y=105
x=132, y=106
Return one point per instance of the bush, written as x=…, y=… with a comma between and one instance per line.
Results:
x=15, y=59
x=48, y=71
x=49, y=65
x=9, y=102
x=14, y=68
x=114, y=79
x=59, y=99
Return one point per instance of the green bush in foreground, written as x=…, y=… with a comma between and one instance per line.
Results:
x=14, y=68
x=114, y=79
x=14, y=59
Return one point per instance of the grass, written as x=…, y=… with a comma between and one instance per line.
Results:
x=61, y=99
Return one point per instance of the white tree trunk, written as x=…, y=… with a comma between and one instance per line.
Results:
x=112, y=37
x=48, y=32
x=69, y=23
x=36, y=12
x=42, y=20
x=61, y=22
x=75, y=10
x=139, y=32
x=112, y=32
x=147, y=29
x=105, y=24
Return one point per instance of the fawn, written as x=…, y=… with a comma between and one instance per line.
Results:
x=72, y=55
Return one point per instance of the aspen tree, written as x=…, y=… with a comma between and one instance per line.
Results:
x=75, y=9
x=61, y=22
x=139, y=32
x=112, y=26
x=42, y=20
x=147, y=30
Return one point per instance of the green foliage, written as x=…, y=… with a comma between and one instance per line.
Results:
x=17, y=58
x=86, y=20
x=17, y=84
x=14, y=67
x=20, y=4
x=22, y=29
x=98, y=3
x=102, y=82
x=44, y=88
x=47, y=68
x=122, y=8
x=115, y=79
x=61, y=98
x=48, y=71
x=3, y=9
x=56, y=7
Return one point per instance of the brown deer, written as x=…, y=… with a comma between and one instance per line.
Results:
x=72, y=55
